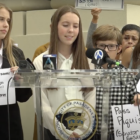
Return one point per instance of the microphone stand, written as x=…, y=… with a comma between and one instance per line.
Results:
x=119, y=66
x=109, y=65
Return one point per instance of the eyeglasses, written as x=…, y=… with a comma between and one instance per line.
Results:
x=111, y=47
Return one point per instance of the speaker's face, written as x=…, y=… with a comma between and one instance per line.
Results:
x=68, y=29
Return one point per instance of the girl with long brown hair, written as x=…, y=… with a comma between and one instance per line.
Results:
x=66, y=41
x=9, y=58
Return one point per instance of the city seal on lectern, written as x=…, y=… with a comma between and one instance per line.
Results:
x=75, y=116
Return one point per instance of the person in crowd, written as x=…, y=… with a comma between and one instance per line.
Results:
x=95, y=14
x=130, y=58
x=130, y=35
x=109, y=39
x=10, y=55
x=134, y=61
x=66, y=41
x=93, y=25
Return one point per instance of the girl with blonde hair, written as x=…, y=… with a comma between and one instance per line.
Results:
x=10, y=121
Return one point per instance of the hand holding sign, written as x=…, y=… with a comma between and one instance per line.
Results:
x=17, y=77
x=137, y=99
x=74, y=136
x=130, y=121
x=103, y=4
x=95, y=12
x=14, y=69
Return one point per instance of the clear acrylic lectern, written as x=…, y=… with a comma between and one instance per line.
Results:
x=65, y=100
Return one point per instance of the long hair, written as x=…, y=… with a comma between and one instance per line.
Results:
x=78, y=48
x=8, y=43
x=136, y=55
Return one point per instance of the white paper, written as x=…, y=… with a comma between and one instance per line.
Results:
x=5, y=75
x=131, y=122
x=103, y=4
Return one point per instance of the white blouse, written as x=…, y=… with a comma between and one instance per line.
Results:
x=1, y=51
x=52, y=99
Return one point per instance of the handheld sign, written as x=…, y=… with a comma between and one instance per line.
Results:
x=5, y=75
x=103, y=4
x=131, y=122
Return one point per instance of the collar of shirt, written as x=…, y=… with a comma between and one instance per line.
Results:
x=1, y=51
x=64, y=63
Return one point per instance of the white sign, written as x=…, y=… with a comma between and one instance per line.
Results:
x=103, y=4
x=131, y=122
x=5, y=75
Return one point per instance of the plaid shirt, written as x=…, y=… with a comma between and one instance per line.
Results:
x=114, y=98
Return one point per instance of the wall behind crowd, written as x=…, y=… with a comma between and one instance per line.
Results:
x=32, y=29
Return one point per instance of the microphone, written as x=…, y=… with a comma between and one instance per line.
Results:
x=100, y=57
x=31, y=64
x=24, y=74
x=26, y=65
x=49, y=62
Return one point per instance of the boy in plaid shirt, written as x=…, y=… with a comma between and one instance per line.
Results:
x=109, y=38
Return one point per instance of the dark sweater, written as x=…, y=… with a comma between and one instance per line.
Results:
x=22, y=95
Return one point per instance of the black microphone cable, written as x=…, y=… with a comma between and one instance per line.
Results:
x=121, y=84
x=119, y=67
x=8, y=110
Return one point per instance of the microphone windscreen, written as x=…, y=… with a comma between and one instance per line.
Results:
x=49, y=61
x=31, y=64
x=97, y=55
x=23, y=64
x=90, y=52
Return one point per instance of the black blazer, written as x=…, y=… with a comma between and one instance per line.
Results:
x=22, y=95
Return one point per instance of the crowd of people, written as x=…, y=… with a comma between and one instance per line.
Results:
x=66, y=40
